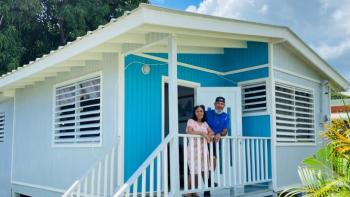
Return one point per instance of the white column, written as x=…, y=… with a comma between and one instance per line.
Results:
x=120, y=118
x=173, y=116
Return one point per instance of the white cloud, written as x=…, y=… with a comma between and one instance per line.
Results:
x=264, y=9
x=329, y=51
x=225, y=8
x=324, y=24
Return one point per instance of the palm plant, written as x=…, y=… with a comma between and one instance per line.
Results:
x=327, y=173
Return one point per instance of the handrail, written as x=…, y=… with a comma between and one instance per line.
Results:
x=91, y=182
x=145, y=165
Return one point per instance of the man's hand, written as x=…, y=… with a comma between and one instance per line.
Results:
x=217, y=137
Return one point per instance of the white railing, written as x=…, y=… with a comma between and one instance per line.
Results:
x=99, y=181
x=239, y=161
x=152, y=175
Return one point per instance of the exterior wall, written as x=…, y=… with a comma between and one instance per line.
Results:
x=289, y=157
x=36, y=162
x=143, y=118
x=6, y=149
x=289, y=61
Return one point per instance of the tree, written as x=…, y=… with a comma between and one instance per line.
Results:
x=31, y=28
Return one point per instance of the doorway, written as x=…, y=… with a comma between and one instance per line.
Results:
x=185, y=106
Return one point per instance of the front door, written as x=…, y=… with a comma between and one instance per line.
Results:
x=206, y=96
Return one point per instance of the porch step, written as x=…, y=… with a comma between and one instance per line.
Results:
x=226, y=193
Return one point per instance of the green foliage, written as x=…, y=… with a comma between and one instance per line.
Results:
x=327, y=173
x=335, y=94
x=31, y=28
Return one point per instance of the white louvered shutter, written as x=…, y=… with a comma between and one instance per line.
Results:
x=295, y=122
x=2, y=127
x=78, y=113
x=254, y=97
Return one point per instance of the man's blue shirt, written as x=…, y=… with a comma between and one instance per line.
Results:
x=217, y=122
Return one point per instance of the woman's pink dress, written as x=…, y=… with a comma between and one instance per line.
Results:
x=198, y=127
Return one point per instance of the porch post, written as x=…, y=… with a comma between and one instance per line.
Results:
x=173, y=116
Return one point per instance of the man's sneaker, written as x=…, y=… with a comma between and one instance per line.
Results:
x=207, y=193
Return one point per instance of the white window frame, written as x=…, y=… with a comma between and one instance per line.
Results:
x=312, y=90
x=268, y=97
x=2, y=130
x=67, y=82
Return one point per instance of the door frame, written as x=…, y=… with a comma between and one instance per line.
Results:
x=180, y=82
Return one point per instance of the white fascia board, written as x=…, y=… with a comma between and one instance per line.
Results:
x=186, y=20
x=110, y=31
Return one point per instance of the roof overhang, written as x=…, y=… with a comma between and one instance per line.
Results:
x=147, y=27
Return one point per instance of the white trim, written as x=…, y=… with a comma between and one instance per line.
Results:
x=245, y=69
x=74, y=80
x=272, y=106
x=241, y=83
x=47, y=188
x=191, y=66
x=13, y=135
x=260, y=113
x=297, y=75
x=121, y=117
x=180, y=82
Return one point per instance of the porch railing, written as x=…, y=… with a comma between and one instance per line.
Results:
x=100, y=180
x=152, y=173
x=239, y=161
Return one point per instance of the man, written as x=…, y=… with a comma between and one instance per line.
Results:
x=218, y=121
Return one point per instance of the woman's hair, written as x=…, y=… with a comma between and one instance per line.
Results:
x=194, y=117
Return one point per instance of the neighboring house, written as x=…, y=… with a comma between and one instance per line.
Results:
x=340, y=108
x=100, y=115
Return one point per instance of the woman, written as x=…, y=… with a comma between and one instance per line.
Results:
x=197, y=125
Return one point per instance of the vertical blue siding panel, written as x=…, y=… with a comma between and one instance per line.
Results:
x=256, y=126
x=255, y=54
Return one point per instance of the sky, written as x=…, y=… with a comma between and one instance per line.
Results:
x=323, y=24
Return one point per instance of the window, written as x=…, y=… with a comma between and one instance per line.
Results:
x=2, y=126
x=295, y=122
x=254, y=97
x=78, y=113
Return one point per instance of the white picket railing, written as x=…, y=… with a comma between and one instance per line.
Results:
x=152, y=175
x=99, y=181
x=239, y=161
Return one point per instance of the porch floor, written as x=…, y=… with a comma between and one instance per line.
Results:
x=249, y=191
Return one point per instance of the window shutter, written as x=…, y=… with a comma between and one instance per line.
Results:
x=2, y=126
x=254, y=97
x=78, y=113
x=294, y=114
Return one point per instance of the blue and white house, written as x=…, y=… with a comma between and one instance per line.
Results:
x=105, y=114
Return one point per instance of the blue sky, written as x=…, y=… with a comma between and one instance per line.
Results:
x=322, y=24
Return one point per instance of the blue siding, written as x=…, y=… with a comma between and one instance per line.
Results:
x=256, y=126
x=255, y=54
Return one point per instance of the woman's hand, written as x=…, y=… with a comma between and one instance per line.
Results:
x=210, y=137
